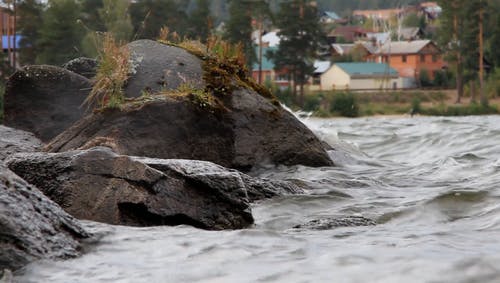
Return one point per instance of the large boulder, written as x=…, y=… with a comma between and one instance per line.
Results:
x=157, y=67
x=99, y=185
x=45, y=100
x=32, y=226
x=86, y=67
x=208, y=172
x=247, y=131
x=14, y=141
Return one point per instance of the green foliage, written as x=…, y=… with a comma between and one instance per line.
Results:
x=312, y=102
x=116, y=19
x=301, y=39
x=415, y=106
x=200, y=21
x=60, y=33
x=30, y=17
x=239, y=28
x=472, y=109
x=149, y=16
x=424, y=78
x=345, y=104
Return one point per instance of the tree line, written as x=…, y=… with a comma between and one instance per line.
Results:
x=59, y=30
x=56, y=31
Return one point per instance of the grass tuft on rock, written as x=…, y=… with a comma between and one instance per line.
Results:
x=224, y=64
x=112, y=74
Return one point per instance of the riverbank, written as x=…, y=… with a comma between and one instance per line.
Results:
x=411, y=102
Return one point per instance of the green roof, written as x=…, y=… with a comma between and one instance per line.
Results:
x=367, y=69
x=266, y=63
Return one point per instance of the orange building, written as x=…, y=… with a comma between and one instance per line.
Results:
x=6, y=21
x=409, y=58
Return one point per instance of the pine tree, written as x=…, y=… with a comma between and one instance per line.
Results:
x=116, y=19
x=61, y=33
x=301, y=38
x=239, y=27
x=453, y=40
x=30, y=16
x=149, y=16
x=200, y=21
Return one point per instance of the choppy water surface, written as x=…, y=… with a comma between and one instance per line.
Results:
x=433, y=184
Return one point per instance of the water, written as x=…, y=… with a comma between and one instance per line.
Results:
x=432, y=184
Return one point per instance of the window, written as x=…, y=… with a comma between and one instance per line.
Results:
x=434, y=58
x=404, y=59
x=422, y=57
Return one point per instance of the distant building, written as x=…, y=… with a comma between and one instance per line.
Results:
x=384, y=14
x=268, y=72
x=8, y=40
x=330, y=17
x=409, y=58
x=347, y=34
x=360, y=76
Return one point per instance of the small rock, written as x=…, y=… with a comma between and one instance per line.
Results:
x=331, y=223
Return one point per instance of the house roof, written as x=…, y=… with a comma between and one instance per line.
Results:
x=267, y=64
x=332, y=15
x=403, y=47
x=377, y=14
x=380, y=37
x=409, y=33
x=270, y=38
x=367, y=69
x=349, y=33
x=321, y=66
x=343, y=48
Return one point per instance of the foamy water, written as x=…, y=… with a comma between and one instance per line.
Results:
x=432, y=184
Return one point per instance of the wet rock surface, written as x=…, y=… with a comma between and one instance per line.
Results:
x=44, y=100
x=32, y=226
x=83, y=66
x=15, y=141
x=332, y=223
x=99, y=185
x=250, y=132
x=157, y=67
x=215, y=175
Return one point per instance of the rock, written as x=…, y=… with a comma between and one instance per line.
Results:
x=83, y=66
x=14, y=141
x=331, y=223
x=156, y=67
x=32, y=226
x=215, y=175
x=99, y=185
x=44, y=100
x=249, y=132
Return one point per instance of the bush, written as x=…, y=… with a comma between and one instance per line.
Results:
x=344, y=104
x=415, y=106
x=472, y=109
x=284, y=96
x=312, y=102
x=424, y=78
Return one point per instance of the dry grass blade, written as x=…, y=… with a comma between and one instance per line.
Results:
x=112, y=73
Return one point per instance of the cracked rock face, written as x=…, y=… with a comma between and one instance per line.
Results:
x=99, y=185
x=14, y=141
x=32, y=226
x=45, y=100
